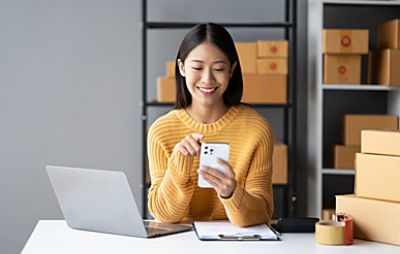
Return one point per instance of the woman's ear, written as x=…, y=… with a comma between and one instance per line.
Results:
x=232, y=69
x=181, y=68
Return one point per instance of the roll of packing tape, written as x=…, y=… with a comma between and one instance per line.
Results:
x=348, y=221
x=330, y=232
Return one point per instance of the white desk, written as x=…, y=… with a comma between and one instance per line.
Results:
x=54, y=236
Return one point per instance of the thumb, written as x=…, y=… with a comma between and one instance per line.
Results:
x=228, y=169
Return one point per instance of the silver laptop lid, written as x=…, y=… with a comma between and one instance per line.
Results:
x=96, y=200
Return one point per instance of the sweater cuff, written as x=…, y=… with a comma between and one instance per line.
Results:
x=233, y=203
x=180, y=166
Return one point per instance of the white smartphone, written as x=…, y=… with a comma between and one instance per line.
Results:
x=209, y=153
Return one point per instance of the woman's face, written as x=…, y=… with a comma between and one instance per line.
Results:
x=207, y=71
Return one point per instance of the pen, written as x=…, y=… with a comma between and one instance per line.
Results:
x=240, y=238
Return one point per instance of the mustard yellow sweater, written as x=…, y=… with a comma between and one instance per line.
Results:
x=174, y=195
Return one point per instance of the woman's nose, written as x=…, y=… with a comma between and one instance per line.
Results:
x=208, y=76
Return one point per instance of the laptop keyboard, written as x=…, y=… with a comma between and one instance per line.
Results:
x=157, y=228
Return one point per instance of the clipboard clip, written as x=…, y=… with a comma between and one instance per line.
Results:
x=240, y=238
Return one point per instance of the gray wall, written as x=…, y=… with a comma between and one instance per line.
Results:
x=70, y=91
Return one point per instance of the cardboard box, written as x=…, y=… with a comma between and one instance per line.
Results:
x=342, y=69
x=272, y=48
x=353, y=124
x=387, y=67
x=345, y=41
x=328, y=213
x=344, y=156
x=170, y=68
x=247, y=52
x=272, y=65
x=166, y=89
x=374, y=220
x=148, y=178
x=265, y=88
x=378, y=177
x=386, y=142
x=279, y=162
x=389, y=34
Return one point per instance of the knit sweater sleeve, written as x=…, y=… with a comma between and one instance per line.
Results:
x=252, y=203
x=171, y=187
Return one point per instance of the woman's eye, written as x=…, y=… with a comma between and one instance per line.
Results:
x=218, y=69
x=196, y=68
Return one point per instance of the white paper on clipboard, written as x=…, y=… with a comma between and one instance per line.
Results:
x=224, y=230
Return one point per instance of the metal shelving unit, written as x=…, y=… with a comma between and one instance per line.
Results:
x=333, y=171
x=326, y=102
x=289, y=109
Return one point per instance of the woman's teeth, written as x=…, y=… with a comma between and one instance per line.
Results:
x=207, y=90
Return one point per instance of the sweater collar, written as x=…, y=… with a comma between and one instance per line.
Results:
x=210, y=127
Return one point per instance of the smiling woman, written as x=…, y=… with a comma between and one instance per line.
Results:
x=208, y=109
x=207, y=70
x=205, y=46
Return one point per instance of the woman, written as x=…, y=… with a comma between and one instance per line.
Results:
x=208, y=109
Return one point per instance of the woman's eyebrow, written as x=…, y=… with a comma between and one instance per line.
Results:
x=201, y=61
x=221, y=61
x=197, y=61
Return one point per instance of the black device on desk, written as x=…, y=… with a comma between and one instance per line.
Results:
x=295, y=225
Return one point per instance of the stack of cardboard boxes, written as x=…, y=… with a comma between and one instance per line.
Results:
x=352, y=125
x=342, y=50
x=279, y=163
x=387, y=62
x=375, y=207
x=344, y=155
x=264, y=68
x=166, y=86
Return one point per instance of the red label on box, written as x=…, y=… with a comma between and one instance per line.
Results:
x=345, y=41
x=342, y=69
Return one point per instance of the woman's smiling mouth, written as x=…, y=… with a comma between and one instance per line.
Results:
x=208, y=90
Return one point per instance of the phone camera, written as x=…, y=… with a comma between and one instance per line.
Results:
x=206, y=147
x=205, y=152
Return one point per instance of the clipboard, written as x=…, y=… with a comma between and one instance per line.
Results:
x=226, y=231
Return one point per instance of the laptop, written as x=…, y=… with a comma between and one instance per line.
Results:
x=102, y=201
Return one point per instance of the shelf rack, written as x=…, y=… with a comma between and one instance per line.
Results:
x=289, y=109
x=353, y=14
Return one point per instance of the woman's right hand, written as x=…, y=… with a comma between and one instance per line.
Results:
x=190, y=145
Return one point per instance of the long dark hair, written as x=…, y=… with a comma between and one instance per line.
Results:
x=219, y=36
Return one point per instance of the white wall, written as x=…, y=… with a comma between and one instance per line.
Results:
x=70, y=74
x=69, y=93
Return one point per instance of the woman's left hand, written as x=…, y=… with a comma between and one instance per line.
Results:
x=224, y=184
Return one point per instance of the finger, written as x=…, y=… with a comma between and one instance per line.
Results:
x=194, y=144
x=182, y=150
x=212, y=181
x=197, y=136
x=189, y=148
x=221, y=188
x=228, y=169
x=214, y=172
x=187, y=144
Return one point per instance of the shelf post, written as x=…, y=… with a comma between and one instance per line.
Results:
x=144, y=110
